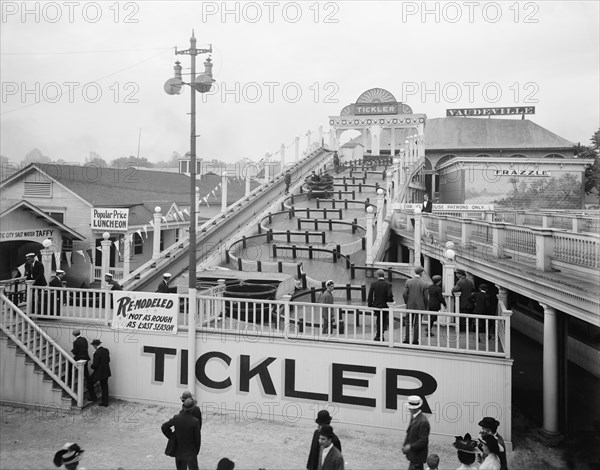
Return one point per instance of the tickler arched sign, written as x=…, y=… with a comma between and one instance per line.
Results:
x=244, y=373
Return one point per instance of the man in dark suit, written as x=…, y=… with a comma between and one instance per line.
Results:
x=436, y=300
x=80, y=353
x=34, y=270
x=416, y=443
x=108, y=277
x=55, y=296
x=380, y=294
x=490, y=425
x=330, y=458
x=187, y=433
x=101, y=367
x=427, y=204
x=196, y=413
x=416, y=297
x=465, y=286
x=164, y=287
x=323, y=419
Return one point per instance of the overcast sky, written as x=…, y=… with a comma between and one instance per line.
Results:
x=281, y=68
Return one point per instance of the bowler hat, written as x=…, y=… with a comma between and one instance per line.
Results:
x=188, y=403
x=323, y=417
x=418, y=269
x=70, y=453
x=225, y=464
x=76, y=332
x=186, y=394
x=489, y=423
x=96, y=342
x=414, y=402
x=326, y=431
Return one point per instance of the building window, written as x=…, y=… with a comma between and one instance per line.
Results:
x=38, y=189
x=59, y=216
x=184, y=166
x=67, y=244
x=138, y=244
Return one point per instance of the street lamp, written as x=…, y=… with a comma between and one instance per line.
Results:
x=202, y=84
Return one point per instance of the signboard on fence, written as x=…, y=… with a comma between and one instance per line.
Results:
x=144, y=311
x=451, y=207
x=113, y=220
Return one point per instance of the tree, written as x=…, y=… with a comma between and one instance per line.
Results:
x=96, y=159
x=131, y=161
x=592, y=173
x=36, y=156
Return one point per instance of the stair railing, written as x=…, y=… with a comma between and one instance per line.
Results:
x=42, y=349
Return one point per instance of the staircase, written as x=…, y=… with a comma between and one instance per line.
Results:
x=34, y=369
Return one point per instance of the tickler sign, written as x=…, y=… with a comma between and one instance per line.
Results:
x=144, y=311
x=242, y=376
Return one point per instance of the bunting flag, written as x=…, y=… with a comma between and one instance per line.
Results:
x=57, y=259
x=181, y=215
x=68, y=256
x=213, y=193
x=116, y=243
x=206, y=200
x=145, y=227
x=187, y=212
x=139, y=232
x=99, y=249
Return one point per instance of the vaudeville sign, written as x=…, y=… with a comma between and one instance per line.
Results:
x=145, y=311
x=510, y=111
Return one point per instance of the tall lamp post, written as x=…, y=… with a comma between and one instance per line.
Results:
x=202, y=84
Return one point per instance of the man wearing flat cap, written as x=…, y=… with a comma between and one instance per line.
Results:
x=187, y=433
x=436, y=300
x=323, y=419
x=380, y=294
x=416, y=297
x=416, y=443
x=81, y=353
x=330, y=458
x=164, y=288
x=465, y=286
x=101, y=367
x=489, y=426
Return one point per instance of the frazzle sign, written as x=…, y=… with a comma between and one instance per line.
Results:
x=144, y=311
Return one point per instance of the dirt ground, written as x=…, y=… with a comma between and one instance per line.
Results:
x=128, y=435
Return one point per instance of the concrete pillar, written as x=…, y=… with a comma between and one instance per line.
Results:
x=550, y=367
x=427, y=264
x=247, y=185
x=390, y=193
x=433, y=177
x=365, y=139
x=375, y=139
x=498, y=238
x=224, y=192
x=411, y=256
x=392, y=141
x=297, y=149
x=46, y=254
x=308, y=142
x=282, y=154
x=105, y=247
x=370, y=240
x=544, y=246
x=502, y=295
x=467, y=230
x=267, y=168
x=126, y=254
x=156, y=238
x=418, y=224
x=320, y=136
x=448, y=269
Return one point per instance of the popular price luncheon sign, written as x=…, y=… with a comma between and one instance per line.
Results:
x=114, y=220
x=144, y=311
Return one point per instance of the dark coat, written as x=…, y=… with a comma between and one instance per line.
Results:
x=427, y=206
x=465, y=287
x=287, y=178
x=333, y=461
x=416, y=294
x=502, y=455
x=187, y=433
x=380, y=294
x=481, y=302
x=436, y=298
x=80, y=349
x=417, y=435
x=100, y=363
x=315, y=448
x=164, y=288
x=196, y=413
x=55, y=282
x=115, y=285
x=35, y=272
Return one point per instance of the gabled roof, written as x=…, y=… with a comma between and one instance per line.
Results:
x=123, y=187
x=451, y=133
x=26, y=205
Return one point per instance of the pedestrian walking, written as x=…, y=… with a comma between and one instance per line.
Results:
x=465, y=286
x=186, y=431
x=323, y=419
x=380, y=294
x=69, y=457
x=482, y=305
x=416, y=443
x=81, y=353
x=288, y=180
x=435, y=300
x=101, y=367
x=416, y=298
x=328, y=313
x=330, y=458
x=489, y=426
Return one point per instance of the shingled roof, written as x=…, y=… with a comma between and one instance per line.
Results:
x=461, y=133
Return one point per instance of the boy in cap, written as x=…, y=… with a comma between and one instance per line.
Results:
x=416, y=443
x=330, y=458
x=436, y=300
x=433, y=462
x=323, y=419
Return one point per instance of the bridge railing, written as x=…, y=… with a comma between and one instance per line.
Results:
x=339, y=322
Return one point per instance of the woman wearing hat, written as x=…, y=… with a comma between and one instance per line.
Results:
x=467, y=450
x=69, y=457
x=490, y=448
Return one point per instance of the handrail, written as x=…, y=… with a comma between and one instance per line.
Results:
x=42, y=349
